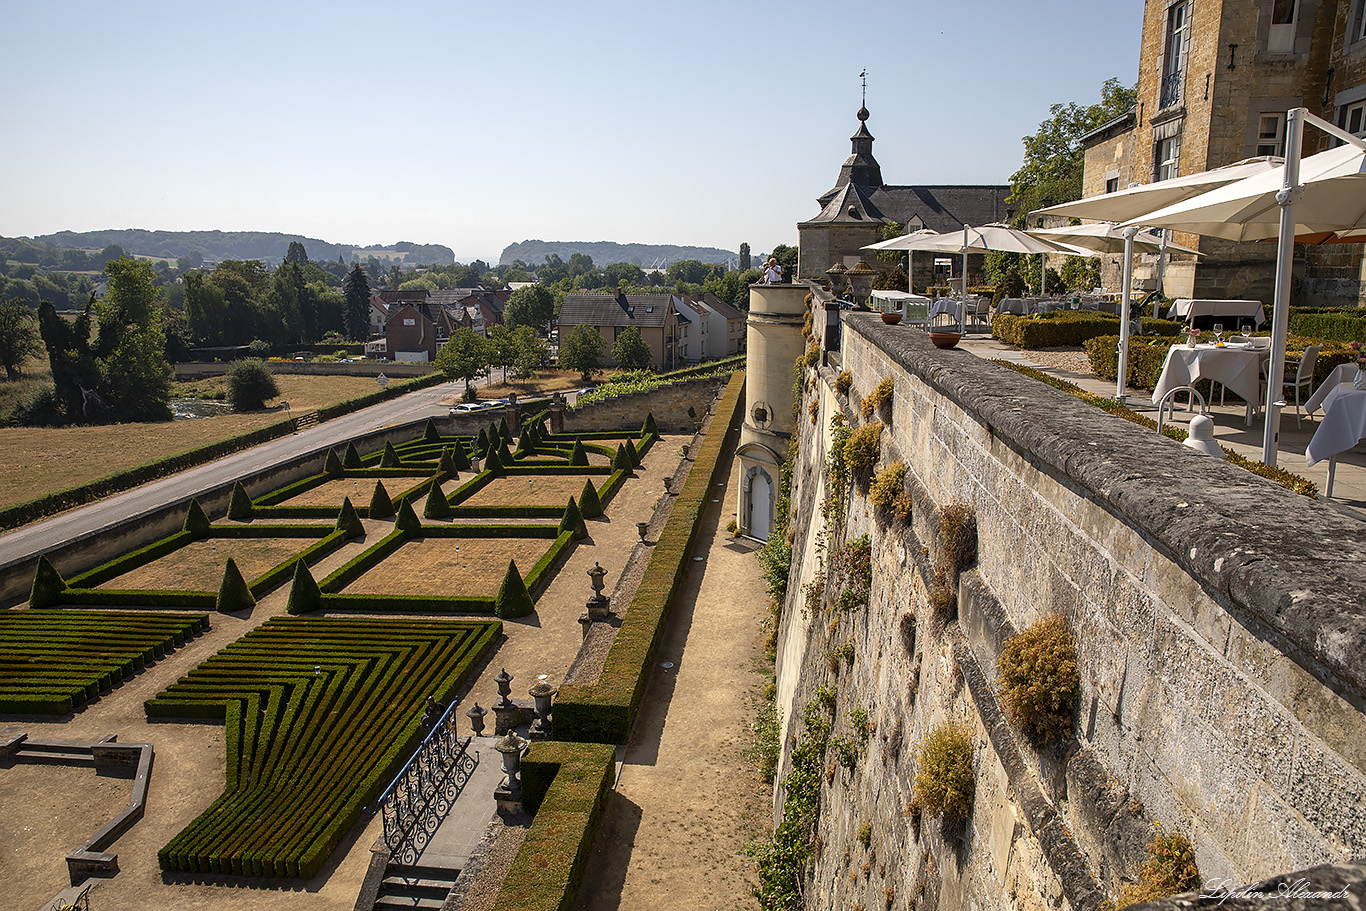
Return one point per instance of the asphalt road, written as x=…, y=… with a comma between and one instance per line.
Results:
x=31, y=540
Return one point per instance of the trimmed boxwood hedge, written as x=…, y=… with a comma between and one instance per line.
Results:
x=1066, y=327
x=319, y=714
x=54, y=660
x=50, y=504
x=1147, y=355
x=566, y=786
x=603, y=712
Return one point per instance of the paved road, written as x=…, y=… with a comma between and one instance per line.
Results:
x=31, y=540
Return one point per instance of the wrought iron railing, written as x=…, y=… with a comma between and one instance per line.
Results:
x=1170, y=91
x=423, y=793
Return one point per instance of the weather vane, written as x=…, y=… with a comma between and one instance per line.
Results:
x=864, y=76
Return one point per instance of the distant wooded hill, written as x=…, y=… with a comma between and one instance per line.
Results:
x=267, y=246
x=604, y=252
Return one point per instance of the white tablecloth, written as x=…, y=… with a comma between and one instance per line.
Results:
x=1013, y=305
x=1343, y=424
x=1186, y=309
x=944, y=305
x=1237, y=367
x=1342, y=373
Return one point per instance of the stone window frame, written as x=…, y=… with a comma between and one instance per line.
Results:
x=1355, y=39
x=1306, y=13
x=1257, y=107
x=1344, y=101
x=1169, y=130
x=1182, y=66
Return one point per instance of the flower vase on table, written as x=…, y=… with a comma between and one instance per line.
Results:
x=1192, y=338
x=1360, y=381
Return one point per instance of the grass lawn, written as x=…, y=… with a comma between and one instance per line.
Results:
x=458, y=567
x=531, y=490
x=40, y=460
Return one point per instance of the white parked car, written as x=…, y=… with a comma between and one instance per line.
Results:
x=467, y=408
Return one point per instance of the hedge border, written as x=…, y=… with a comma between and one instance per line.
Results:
x=603, y=712
x=566, y=785
x=61, y=500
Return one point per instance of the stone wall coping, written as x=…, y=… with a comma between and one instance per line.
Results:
x=1291, y=569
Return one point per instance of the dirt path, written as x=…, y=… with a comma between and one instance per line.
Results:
x=688, y=798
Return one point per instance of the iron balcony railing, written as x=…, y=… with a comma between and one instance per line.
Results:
x=1170, y=91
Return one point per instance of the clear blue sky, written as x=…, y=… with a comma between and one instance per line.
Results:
x=475, y=126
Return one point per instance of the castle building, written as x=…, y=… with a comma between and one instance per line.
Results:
x=855, y=209
x=1216, y=78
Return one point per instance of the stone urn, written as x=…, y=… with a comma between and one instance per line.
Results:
x=892, y=318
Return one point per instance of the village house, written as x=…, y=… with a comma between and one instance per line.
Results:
x=611, y=314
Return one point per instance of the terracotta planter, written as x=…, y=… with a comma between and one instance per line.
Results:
x=891, y=319
x=945, y=339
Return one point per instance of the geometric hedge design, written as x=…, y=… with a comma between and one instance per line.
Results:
x=54, y=660
x=320, y=713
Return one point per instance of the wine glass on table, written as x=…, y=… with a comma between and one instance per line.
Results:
x=1218, y=334
x=1246, y=330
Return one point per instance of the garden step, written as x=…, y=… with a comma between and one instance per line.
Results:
x=402, y=885
x=384, y=902
x=55, y=757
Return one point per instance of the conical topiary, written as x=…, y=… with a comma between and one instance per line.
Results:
x=573, y=520
x=649, y=429
x=445, y=466
x=460, y=458
x=407, y=520
x=381, y=507
x=196, y=522
x=633, y=452
x=589, y=503
x=529, y=433
x=481, y=442
x=429, y=432
x=233, y=593
x=332, y=465
x=436, y=506
x=491, y=463
x=513, y=599
x=525, y=447
x=578, y=455
x=390, y=457
x=351, y=458
x=348, y=520
x=503, y=430
x=621, y=460
x=504, y=456
x=239, y=505
x=48, y=585
x=304, y=595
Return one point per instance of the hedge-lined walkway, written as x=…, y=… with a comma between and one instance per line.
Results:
x=688, y=798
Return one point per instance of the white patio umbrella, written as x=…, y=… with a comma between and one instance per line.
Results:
x=1132, y=202
x=1105, y=237
x=987, y=238
x=1325, y=192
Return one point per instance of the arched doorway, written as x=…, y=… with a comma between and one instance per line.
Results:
x=760, y=504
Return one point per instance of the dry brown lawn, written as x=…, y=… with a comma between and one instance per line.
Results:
x=536, y=490
x=40, y=460
x=331, y=493
x=450, y=567
x=198, y=566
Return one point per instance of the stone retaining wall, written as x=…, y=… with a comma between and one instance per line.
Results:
x=669, y=404
x=1217, y=617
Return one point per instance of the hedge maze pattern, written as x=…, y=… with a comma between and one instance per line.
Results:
x=54, y=660
x=320, y=713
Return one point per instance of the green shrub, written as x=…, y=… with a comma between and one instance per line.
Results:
x=1346, y=324
x=348, y=520
x=888, y=485
x=351, y=458
x=196, y=521
x=407, y=521
x=589, y=504
x=578, y=455
x=862, y=448
x=381, y=507
x=390, y=458
x=1169, y=870
x=1039, y=679
x=513, y=599
x=436, y=506
x=957, y=537
x=573, y=520
x=1066, y=328
x=844, y=381
x=48, y=585
x=250, y=384
x=233, y=593
x=304, y=596
x=332, y=464
x=944, y=783
x=880, y=396
x=239, y=504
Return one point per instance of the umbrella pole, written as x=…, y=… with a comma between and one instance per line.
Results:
x=1128, y=280
x=1043, y=275
x=963, y=304
x=1280, y=319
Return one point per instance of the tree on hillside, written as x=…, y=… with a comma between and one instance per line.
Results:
x=1053, y=156
x=356, y=290
x=296, y=255
x=630, y=350
x=744, y=258
x=19, y=339
x=131, y=348
x=532, y=306
x=582, y=351
x=464, y=356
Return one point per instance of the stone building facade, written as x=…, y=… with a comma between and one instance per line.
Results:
x=1216, y=78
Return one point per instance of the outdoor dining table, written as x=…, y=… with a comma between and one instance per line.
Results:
x=1342, y=427
x=1237, y=366
x=945, y=305
x=1342, y=373
x=1186, y=309
x=1015, y=305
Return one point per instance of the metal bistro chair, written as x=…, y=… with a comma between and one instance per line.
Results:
x=1304, y=377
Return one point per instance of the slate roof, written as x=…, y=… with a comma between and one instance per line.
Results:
x=641, y=310
x=721, y=307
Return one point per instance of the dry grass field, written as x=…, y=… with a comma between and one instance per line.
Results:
x=331, y=493
x=451, y=567
x=198, y=566
x=40, y=460
x=536, y=490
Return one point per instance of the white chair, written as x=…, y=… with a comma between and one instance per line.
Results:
x=1304, y=376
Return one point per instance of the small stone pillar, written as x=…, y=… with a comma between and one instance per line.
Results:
x=557, y=413
x=599, y=606
x=509, y=793
x=505, y=711
x=544, y=694
x=476, y=717
x=514, y=415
